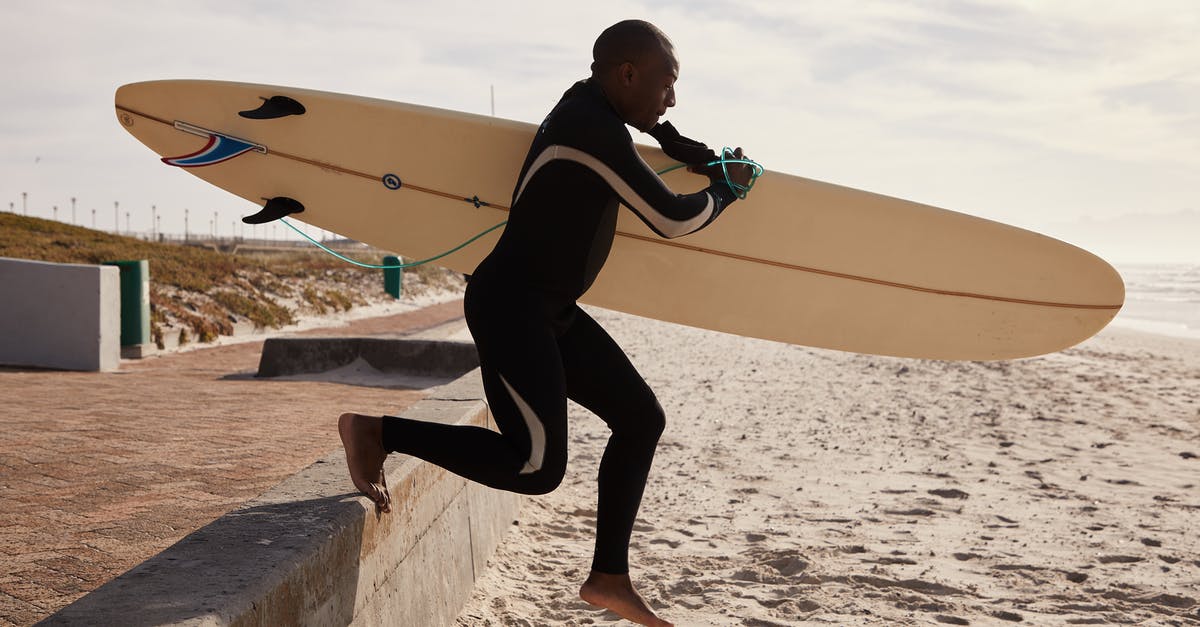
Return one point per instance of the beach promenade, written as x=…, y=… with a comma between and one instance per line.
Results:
x=793, y=486
x=100, y=471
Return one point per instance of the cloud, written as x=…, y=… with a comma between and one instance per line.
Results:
x=1021, y=111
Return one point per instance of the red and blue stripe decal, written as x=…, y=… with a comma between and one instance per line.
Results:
x=219, y=148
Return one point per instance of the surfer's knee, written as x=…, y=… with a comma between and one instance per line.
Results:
x=646, y=422
x=654, y=421
x=544, y=480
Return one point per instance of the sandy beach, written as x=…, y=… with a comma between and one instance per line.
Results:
x=797, y=486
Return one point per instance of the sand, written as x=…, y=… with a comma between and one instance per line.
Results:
x=797, y=486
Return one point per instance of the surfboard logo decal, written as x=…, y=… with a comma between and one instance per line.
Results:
x=219, y=148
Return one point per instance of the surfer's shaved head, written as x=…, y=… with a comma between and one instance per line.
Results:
x=628, y=41
x=634, y=63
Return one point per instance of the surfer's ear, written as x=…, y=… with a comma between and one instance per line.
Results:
x=626, y=73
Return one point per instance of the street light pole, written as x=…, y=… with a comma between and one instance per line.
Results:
x=185, y=225
x=117, y=217
x=93, y=219
x=24, y=205
x=72, y=210
x=56, y=213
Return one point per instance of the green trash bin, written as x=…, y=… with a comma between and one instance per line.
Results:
x=393, y=278
x=135, y=301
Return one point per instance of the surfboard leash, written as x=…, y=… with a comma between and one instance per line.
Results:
x=401, y=266
x=726, y=158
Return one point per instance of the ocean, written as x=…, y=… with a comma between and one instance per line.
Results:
x=1161, y=298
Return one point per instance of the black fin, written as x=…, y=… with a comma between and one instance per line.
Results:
x=275, y=208
x=274, y=107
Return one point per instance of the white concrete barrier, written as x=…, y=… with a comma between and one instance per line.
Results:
x=59, y=315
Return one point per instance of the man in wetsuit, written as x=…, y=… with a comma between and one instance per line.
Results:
x=537, y=348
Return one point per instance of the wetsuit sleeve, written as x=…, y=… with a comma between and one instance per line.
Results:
x=680, y=148
x=605, y=147
x=640, y=188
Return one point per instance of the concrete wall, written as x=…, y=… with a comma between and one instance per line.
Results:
x=284, y=356
x=311, y=551
x=58, y=315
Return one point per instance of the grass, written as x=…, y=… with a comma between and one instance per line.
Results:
x=203, y=290
x=184, y=267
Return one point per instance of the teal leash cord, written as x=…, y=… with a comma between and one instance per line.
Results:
x=725, y=159
x=393, y=267
x=740, y=190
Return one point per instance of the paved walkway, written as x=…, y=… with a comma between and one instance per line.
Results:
x=99, y=471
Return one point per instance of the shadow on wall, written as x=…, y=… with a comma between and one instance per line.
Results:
x=229, y=571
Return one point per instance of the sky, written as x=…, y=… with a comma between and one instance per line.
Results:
x=1076, y=118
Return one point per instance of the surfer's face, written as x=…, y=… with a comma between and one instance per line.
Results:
x=649, y=88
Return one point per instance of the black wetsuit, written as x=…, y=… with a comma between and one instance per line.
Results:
x=537, y=348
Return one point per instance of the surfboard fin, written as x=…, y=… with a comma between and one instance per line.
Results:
x=275, y=208
x=274, y=107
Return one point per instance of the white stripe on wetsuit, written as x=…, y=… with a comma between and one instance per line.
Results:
x=537, y=433
x=667, y=226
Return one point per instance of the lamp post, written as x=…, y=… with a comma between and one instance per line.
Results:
x=56, y=213
x=24, y=205
x=185, y=225
x=117, y=216
x=153, y=222
x=72, y=210
x=93, y=219
x=128, y=229
x=216, y=228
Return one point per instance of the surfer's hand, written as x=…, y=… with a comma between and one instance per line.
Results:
x=739, y=173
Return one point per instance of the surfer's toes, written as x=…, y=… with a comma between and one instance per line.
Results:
x=380, y=496
x=384, y=500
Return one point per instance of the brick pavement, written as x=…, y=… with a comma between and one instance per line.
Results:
x=100, y=471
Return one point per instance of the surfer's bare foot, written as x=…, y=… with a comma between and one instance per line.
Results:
x=362, y=437
x=616, y=593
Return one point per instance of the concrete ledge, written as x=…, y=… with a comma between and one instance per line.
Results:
x=414, y=357
x=311, y=551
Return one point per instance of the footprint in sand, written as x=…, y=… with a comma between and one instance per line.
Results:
x=916, y=511
x=1075, y=577
x=1119, y=559
x=949, y=493
x=773, y=566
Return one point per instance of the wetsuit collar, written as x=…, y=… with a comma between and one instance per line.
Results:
x=591, y=87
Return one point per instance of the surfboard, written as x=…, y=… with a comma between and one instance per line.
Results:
x=798, y=261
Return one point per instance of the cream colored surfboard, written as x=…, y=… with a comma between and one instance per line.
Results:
x=799, y=261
